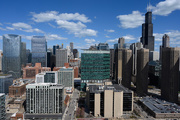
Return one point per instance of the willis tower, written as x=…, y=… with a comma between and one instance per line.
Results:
x=147, y=38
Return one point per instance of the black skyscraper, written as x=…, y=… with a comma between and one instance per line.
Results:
x=147, y=38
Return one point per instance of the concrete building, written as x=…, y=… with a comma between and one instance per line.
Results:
x=121, y=42
x=12, y=55
x=39, y=50
x=119, y=66
x=18, y=88
x=47, y=77
x=153, y=56
x=30, y=72
x=159, y=108
x=165, y=43
x=1, y=54
x=44, y=100
x=112, y=64
x=61, y=57
x=142, y=71
x=126, y=68
x=71, y=46
x=55, y=47
x=2, y=106
x=109, y=100
x=134, y=47
x=66, y=77
x=103, y=46
x=147, y=38
x=170, y=74
x=6, y=80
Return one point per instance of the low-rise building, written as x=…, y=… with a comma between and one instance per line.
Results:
x=47, y=77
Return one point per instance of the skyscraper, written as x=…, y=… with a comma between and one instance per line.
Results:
x=28, y=56
x=121, y=42
x=103, y=46
x=61, y=57
x=170, y=74
x=2, y=106
x=39, y=50
x=127, y=68
x=142, y=71
x=12, y=55
x=1, y=54
x=54, y=48
x=75, y=53
x=71, y=46
x=165, y=41
x=112, y=64
x=6, y=80
x=23, y=54
x=147, y=38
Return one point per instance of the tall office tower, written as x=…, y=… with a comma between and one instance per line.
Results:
x=12, y=55
x=142, y=71
x=71, y=46
x=147, y=38
x=44, y=100
x=95, y=66
x=6, y=80
x=49, y=53
x=75, y=53
x=1, y=54
x=170, y=74
x=134, y=47
x=112, y=64
x=66, y=77
x=121, y=42
x=153, y=56
x=2, y=106
x=28, y=56
x=103, y=46
x=54, y=48
x=119, y=66
x=47, y=77
x=23, y=54
x=39, y=50
x=165, y=41
x=61, y=57
x=126, y=67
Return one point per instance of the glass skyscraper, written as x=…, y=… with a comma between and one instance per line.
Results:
x=39, y=50
x=12, y=55
x=95, y=66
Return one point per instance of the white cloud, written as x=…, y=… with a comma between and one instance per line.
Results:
x=131, y=20
x=90, y=40
x=51, y=25
x=2, y=28
x=112, y=40
x=67, y=21
x=166, y=7
x=107, y=36
x=128, y=38
x=54, y=15
x=26, y=37
x=1, y=24
x=10, y=28
x=21, y=25
x=54, y=37
x=110, y=30
x=0, y=37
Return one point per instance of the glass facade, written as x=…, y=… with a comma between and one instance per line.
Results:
x=12, y=55
x=5, y=82
x=2, y=107
x=95, y=66
x=49, y=78
x=39, y=50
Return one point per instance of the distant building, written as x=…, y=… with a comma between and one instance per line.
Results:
x=2, y=106
x=1, y=54
x=61, y=57
x=95, y=66
x=121, y=42
x=12, y=55
x=71, y=46
x=126, y=68
x=28, y=56
x=170, y=74
x=103, y=46
x=23, y=54
x=66, y=77
x=109, y=100
x=147, y=38
x=165, y=43
x=39, y=50
x=142, y=71
x=30, y=72
x=153, y=56
x=55, y=47
x=127, y=45
x=112, y=64
x=44, y=100
x=49, y=54
x=75, y=53
x=6, y=80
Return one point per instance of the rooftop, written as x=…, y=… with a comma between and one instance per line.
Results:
x=1, y=94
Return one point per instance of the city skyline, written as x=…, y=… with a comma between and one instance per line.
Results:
x=85, y=23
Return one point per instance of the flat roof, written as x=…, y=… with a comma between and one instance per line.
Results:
x=1, y=94
x=51, y=85
x=160, y=106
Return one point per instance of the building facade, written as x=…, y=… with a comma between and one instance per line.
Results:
x=2, y=106
x=23, y=54
x=61, y=57
x=6, y=80
x=39, y=50
x=12, y=55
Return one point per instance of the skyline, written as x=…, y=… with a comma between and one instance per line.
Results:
x=89, y=22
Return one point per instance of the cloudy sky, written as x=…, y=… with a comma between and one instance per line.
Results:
x=88, y=22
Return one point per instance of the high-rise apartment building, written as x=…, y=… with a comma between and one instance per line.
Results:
x=147, y=38
x=5, y=81
x=142, y=71
x=170, y=74
x=95, y=66
x=126, y=67
x=66, y=77
x=2, y=106
x=12, y=55
x=39, y=50
x=44, y=99
x=61, y=57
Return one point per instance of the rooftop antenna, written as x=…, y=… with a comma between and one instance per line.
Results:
x=149, y=6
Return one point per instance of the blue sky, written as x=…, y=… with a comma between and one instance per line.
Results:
x=88, y=22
